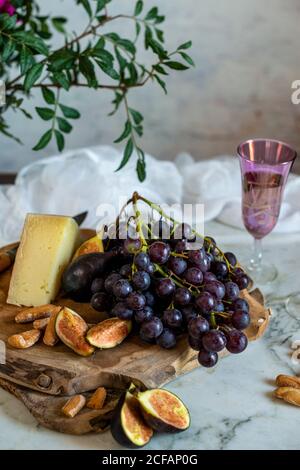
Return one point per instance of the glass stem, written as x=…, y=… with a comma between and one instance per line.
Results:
x=256, y=259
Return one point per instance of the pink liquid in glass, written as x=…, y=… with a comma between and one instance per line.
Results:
x=262, y=196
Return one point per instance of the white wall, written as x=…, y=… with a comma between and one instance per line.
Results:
x=247, y=55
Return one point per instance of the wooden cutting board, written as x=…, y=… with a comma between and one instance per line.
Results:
x=59, y=371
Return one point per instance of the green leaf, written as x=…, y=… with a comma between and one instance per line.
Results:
x=60, y=140
x=121, y=60
x=141, y=169
x=103, y=55
x=110, y=71
x=138, y=7
x=161, y=83
x=100, y=5
x=26, y=113
x=26, y=59
x=148, y=37
x=32, y=41
x=9, y=49
x=99, y=44
x=86, y=5
x=152, y=14
x=69, y=113
x=45, y=113
x=137, y=29
x=157, y=48
x=126, y=155
x=139, y=130
x=44, y=140
x=128, y=45
x=125, y=133
x=62, y=79
x=32, y=76
x=64, y=125
x=187, y=58
x=63, y=59
x=87, y=69
x=58, y=23
x=7, y=21
x=160, y=35
x=160, y=69
x=185, y=45
x=175, y=65
x=48, y=95
x=137, y=116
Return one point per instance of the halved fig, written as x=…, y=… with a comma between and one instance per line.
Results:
x=71, y=329
x=109, y=333
x=163, y=411
x=92, y=245
x=128, y=426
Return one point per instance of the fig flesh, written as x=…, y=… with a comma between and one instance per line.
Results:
x=71, y=330
x=109, y=333
x=127, y=425
x=92, y=245
x=163, y=411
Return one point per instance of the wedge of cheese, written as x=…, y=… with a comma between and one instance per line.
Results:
x=47, y=245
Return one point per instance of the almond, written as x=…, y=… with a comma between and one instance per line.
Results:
x=24, y=340
x=36, y=313
x=288, y=381
x=74, y=405
x=97, y=400
x=289, y=394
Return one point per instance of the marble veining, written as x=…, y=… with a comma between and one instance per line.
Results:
x=232, y=406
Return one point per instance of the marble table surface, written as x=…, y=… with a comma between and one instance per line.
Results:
x=232, y=406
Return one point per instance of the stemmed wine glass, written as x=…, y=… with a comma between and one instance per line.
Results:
x=265, y=166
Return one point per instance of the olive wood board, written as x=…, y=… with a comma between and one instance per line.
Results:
x=59, y=371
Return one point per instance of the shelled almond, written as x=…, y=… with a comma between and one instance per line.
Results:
x=24, y=340
x=50, y=336
x=97, y=400
x=74, y=405
x=31, y=314
x=288, y=381
x=288, y=389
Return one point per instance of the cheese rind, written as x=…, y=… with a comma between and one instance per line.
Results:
x=47, y=245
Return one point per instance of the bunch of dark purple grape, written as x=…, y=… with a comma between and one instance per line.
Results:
x=170, y=286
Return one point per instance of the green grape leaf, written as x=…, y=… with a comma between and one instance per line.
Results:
x=44, y=140
x=48, y=95
x=70, y=113
x=60, y=140
x=45, y=113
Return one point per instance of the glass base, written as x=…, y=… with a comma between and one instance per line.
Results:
x=293, y=305
x=266, y=274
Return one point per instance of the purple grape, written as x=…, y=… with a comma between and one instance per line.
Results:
x=220, y=269
x=181, y=246
x=188, y=313
x=126, y=270
x=209, y=241
x=183, y=231
x=210, y=258
x=172, y=318
x=240, y=319
x=161, y=229
x=231, y=258
x=195, y=343
x=143, y=315
x=204, y=265
x=242, y=281
x=136, y=301
x=122, y=288
x=216, y=288
x=208, y=277
x=167, y=339
x=205, y=302
x=207, y=358
x=132, y=245
x=177, y=265
x=159, y=252
x=236, y=341
x=219, y=306
x=196, y=257
x=100, y=302
x=197, y=327
x=150, y=269
x=121, y=310
x=232, y=291
x=110, y=282
x=193, y=276
x=141, y=260
x=150, y=299
x=165, y=287
x=241, y=304
x=214, y=341
x=182, y=296
x=97, y=285
x=141, y=280
x=152, y=329
x=238, y=271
